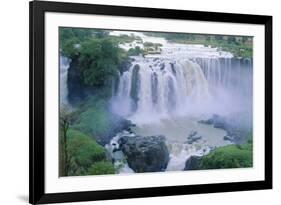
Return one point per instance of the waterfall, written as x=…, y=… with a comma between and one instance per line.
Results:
x=64, y=65
x=158, y=87
x=226, y=72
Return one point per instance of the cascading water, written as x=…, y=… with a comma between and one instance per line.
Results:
x=162, y=87
x=64, y=65
x=168, y=93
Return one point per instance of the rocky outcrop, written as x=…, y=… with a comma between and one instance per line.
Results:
x=145, y=153
x=192, y=163
x=171, y=94
x=193, y=137
x=228, y=138
x=234, y=133
x=76, y=89
x=125, y=65
x=154, y=86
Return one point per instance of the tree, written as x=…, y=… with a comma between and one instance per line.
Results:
x=64, y=122
x=98, y=61
x=219, y=37
x=83, y=151
x=101, y=167
x=231, y=40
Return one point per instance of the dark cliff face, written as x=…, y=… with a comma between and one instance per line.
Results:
x=135, y=86
x=76, y=89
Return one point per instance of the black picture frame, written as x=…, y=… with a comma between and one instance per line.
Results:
x=37, y=11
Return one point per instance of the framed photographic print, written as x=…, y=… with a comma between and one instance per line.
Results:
x=140, y=102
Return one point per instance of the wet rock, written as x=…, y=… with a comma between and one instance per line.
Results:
x=234, y=133
x=192, y=133
x=171, y=94
x=219, y=122
x=207, y=122
x=145, y=153
x=125, y=65
x=129, y=130
x=154, y=85
x=135, y=86
x=173, y=68
x=228, y=138
x=193, y=137
x=162, y=66
x=76, y=88
x=192, y=163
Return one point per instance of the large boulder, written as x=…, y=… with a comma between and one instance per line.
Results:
x=145, y=153
x=192, y=163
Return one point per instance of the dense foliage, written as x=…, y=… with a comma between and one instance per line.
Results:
x=98, y=61
x=101, y=167
x=135, y=51
x=231, y=156
x=78, y=150
x=98, y=54
x=84, y=152
x=93, y=118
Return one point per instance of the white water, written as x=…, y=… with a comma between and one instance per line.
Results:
x=176, y=89
x=64, y=65
x=179, y=87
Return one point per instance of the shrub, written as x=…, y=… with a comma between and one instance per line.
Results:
x=135, y=51
x=83, y=151
x=231, y=156
x=93, y=118
x=102, y=167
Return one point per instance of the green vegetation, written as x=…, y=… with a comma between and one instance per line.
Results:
x=239, y=46
x=98, y=61
x=152, y=48
x=231, y=156
x=64, y=123
x=125, y=38
x=78, y=150
x=97, y=56
x=93, y=120
x=84, y=153
x=101, y=167
x=135, y=51
x=97, y=53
